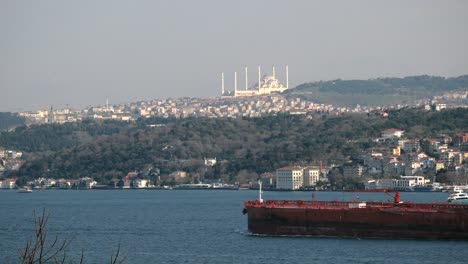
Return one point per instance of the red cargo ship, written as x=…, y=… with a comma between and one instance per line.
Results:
x=358, y=219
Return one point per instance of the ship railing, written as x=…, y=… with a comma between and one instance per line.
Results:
x=297, y=204
x=342, y=204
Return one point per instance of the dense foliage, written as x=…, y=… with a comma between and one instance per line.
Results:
x=379, y=91
x=55, y=137
x=243, y=147
x=8, y=120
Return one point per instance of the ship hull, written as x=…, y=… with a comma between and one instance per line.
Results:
x=369, y=222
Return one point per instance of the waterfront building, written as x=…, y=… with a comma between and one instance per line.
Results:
x=140, y=183
x=289, y=178
x=8, y=184
x=311, y=175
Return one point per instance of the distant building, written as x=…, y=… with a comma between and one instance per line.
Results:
x=405, y=182
x=439, y=165
x=266, y=85
x=210, y=161
x=140, y=183
x=289, y=178
x=385, y=183
x=352, y=170
x=396, y=151
x=451, y=157
x=392, y=133
x=311, y=175
x=410, y=146
x=410, y=181
x=87, y=183
x=412, y=167
x=439, y=106
x=430, y=145
x=460, y=139
x=268, y=180
x=8, y=184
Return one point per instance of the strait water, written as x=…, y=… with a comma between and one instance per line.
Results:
x=184, y=226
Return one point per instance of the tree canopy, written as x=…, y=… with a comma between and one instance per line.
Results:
x=112, y=149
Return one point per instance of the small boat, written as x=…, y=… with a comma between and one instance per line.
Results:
x=459, y=197
x=24, y=190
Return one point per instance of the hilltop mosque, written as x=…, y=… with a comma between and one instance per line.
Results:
x=266, y=85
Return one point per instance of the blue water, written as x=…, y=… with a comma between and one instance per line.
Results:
x=202, y=226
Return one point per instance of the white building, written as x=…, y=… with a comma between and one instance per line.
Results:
x=266, y=85
x=392, y=133
x=387, y=184
x=210, y=161
x=140, y=183
x=311, y=175
x=411, y=167
x=393, y=184
x=8, y=184
x=414, y=180
x=439, y=106
x=289, y=178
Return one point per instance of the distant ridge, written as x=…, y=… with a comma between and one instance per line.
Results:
x=380, y=91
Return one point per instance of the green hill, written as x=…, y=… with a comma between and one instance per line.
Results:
x=381, y=91
x=105, y=150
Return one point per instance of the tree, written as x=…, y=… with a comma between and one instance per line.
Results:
x=39, y=250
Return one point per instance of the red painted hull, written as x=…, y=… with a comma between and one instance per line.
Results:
x=376, y=220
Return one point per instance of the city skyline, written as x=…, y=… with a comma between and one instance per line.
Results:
x=59, y=53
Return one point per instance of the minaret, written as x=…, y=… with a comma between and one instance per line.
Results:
x=235, y=83
x=259, y=77
x=50, y=117
x=273, y=72
x=246, y=85
x=107, y=104
x=222, y=83
x=287, y=77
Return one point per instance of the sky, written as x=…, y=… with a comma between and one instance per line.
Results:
x=65, y=53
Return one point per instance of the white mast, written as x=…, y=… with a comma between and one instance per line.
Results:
x=260, y=191
x=222, y=83
x=259, y=77
x=287, y=77
x=273, y=72
x=246, y=77
x=235, y=83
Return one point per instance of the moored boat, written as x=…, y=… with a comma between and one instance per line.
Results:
x=460, y=197
x=24, y=190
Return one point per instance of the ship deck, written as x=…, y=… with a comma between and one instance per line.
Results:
x=299, y=204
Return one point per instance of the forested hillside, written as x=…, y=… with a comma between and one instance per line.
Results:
x=243, y=146
x=8, y=120
x=381, y=91
x=55, y=137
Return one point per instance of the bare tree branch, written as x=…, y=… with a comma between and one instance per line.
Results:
x=39, y=250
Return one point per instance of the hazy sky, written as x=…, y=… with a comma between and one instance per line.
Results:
x=81, y=52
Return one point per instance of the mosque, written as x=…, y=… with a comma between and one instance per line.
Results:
x=268, y=84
